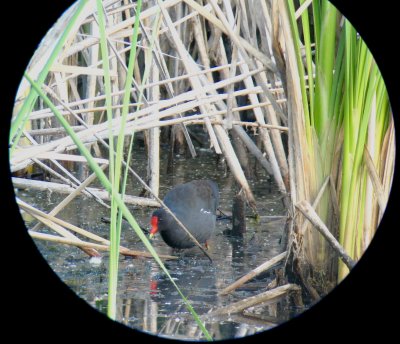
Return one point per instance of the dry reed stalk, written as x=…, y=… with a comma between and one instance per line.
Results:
x=250, y=318
x=370, y=199
x=276, y=138
x=334, y=199
x=266, y=95
x=52, y=131
x=221, y=58
x=303, y=7
x=110, y=31
x=277, y=48
x=185, y=18
x=247, y=124
x=253, y=98
x=97, y=64
x=194, y=119
x=56, y=227
x=253, y=273
x=298, y=160
x=61, y=188
x=308, y=211
x=264, y=298
x=61, y=69
x=66, y=225
x=92, y=80
x=43, y=113
x=186, y=120
x=71, y=181
x=72, y=195
x=217, y=23
x=388, y=163
x=48, y=43
x=60, y=227
x=67, y=181
x=67, y=157
x=232, y=72
x=249, y=84
x=90, y=245
x=253, y=149
x=384, y=162
x=169, y=112
x=37, y=114
x=200, y=39
x=163, y=69
x=154, y=135
x=190, y=67
x=377, y=185
x=62, y=144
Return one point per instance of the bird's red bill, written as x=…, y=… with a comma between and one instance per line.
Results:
x=154, y=225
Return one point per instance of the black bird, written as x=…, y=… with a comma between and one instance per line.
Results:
x=195, y=205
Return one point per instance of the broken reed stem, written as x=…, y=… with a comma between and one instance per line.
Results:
x=62, y=188
x=72, y=195
x=186, y=120
x=250, y=318
x=316, y=201
x=372, y=173
x=173, y=100
x=277, y=159
x=253, y=149
x=56, y=227
x=320, y=193
x=100, y=247
x=168, y=80
x=334, y=198
x=269, y=296
x=236, y=38
x=53, y=131
x=192, y=96
x=190, y=66
x=253, y=273
x=243, y=124
x=71, y=181
x=40, y=215
x=308, y=211
x=163, y=69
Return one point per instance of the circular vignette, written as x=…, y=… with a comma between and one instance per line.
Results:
x=42, y=306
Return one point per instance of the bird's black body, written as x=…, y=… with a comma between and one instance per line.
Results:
x=194, y=204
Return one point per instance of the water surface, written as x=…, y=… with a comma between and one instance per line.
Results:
x=146, y=299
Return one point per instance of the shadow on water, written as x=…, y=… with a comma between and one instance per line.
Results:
x=147, y=300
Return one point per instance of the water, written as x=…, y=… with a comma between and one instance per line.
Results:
x=146, y=298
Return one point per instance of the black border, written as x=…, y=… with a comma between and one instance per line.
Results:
x=359, y=308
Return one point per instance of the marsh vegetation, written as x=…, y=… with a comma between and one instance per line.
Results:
x=280, y=102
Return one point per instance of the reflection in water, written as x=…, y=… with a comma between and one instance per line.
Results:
x=147, y=300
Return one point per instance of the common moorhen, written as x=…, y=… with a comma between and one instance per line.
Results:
x=194, y=204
